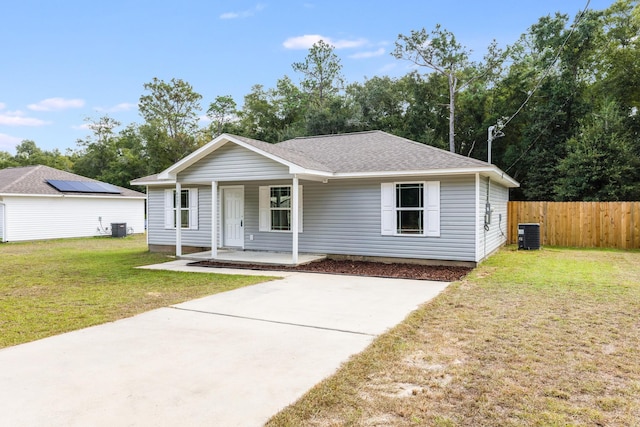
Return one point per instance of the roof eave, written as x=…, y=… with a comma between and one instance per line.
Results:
x=490, y=171
x=69, y=195
x=157, y=182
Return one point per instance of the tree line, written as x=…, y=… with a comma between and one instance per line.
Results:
x=561, y=102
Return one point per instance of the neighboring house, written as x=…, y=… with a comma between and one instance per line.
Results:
x=39, y=202
x=369, y=195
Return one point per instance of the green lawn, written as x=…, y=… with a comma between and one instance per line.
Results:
x=49, y=287
x=530, y=338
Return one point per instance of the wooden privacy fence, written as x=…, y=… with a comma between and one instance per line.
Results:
x=579, y=224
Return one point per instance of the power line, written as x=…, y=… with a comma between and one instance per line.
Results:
x=501, y=126
x=544, y=75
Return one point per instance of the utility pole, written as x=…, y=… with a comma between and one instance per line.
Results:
x=492, y=133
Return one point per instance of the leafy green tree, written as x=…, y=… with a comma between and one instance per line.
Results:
x=291, y=106
x=548, y=81
x=170, y=111
x=322, y=73
x=131, y=159
x=258, y=117
x=274, y=114
x=440, y=52
x=601, y=164
x=426, y=116
x=336, y=116
x=7, y=160
x=380, y=103
x=618, y=57
x=29, y=154
x=221, y=111
x=98, y=150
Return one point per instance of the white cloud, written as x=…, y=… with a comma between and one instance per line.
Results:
x=230, y=15
x=243, y=14
x=3, y=105
x=55, y=104
x=8, y=142
x=308, y=40
x=84, y=126
x=18, y=118
x=123, y=106
x=368, y=54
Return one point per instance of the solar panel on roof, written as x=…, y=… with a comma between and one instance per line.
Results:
x=83, y=186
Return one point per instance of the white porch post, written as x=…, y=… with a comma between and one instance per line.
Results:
x=294, y=220
x=178, y=203
x=214, y=219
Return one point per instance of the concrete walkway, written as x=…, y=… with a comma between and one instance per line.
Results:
x=231, y=359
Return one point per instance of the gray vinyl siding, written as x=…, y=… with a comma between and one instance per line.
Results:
x=340, y=217
x=343, y=217
x=232, y=162
x=159, y=235
x=496, y=236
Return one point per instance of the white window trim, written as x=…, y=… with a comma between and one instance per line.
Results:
x=169, y=210
x=264, y=197
x=431, y=209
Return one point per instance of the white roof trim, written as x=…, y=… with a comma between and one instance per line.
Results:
x=75, y=196
x=210, y=147
x=494, y=172
x=156, y=182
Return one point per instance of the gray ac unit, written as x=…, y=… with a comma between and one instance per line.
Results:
x=529, y=236
x=118, y=229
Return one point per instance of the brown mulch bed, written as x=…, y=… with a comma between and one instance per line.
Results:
x=360, y=268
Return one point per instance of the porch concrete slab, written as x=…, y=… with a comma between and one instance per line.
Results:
x=254, y=257
x=183, y=265
x=232, y=359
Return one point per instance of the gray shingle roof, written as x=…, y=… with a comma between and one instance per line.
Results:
x=33, y=180
x=349, y=154
x=375, y=151
x=299, y=158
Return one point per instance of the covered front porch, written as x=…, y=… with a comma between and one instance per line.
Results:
x=247, y=221
x=254, y=257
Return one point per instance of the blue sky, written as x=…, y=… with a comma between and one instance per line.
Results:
x=66, y=60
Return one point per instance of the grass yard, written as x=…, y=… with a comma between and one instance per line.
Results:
x=50, y=287
x=530, y=338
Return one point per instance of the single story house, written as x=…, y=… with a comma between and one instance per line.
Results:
x=40, y=202
x=369, y=195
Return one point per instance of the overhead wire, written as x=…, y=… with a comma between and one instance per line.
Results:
x=544, y=75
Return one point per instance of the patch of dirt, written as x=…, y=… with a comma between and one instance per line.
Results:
x=360, y=268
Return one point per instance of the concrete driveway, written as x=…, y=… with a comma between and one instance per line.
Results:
x=231, y=359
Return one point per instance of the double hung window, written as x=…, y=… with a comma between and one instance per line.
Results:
x=275, y=205
x=410, y=208
x=186, y=206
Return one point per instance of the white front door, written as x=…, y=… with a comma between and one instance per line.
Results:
x=233, y=209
